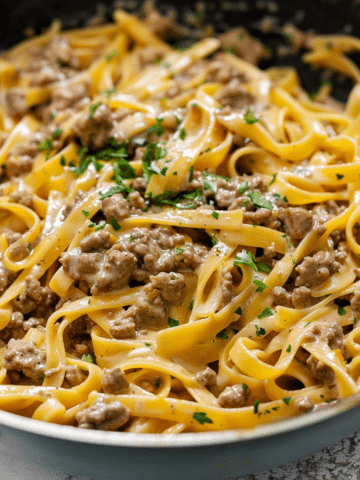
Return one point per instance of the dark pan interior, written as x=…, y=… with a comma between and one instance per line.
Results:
x=321, y=16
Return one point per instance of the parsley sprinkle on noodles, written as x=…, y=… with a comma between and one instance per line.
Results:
x=183, y=241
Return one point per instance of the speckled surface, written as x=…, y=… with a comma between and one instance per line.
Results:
x=340, y=461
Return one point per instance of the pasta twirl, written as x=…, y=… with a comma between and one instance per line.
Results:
x=179, y=233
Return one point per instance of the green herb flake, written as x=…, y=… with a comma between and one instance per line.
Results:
x=276, y=408
x=157, y=383
x=108, y=93
x=243, y=187
x=45, y=145
x=100, y=226
x=201, y=418
x=245, y=387
x=191, y=304
x=215, y=215
x=256, y=406
x=158, y=128
x=222, y=334
x=115, y=224
x=182, y=134
x=341, y=311
x=62, y=161
x=148, y=344
x=87, y=358
x=273, y=179
x=339, y=176
x=172, y=322
x=306, y=324
x=57, y=132
x=246, y=258
x=264, y=267
x=93, y=108
x=250, y=117
x=110, y=56
x=286, y=400
x=355, y=320
x=260, y=331
x=179, y=251
x=288, y=350
x=267, y=312
x=285, y=199
x=86, y=213
x=259, y=284
x=259, y=200
x=238, y=311
x=191, y=174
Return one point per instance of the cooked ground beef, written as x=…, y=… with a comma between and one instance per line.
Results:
x=25, y=357
x=35, y=299
x=205, y=377
x=315, y=270
x=234, y=396
x=94, y=127
x=73, y=375
x=297, y=221
x=299, y=298
x=103, y=415
x=113, y=381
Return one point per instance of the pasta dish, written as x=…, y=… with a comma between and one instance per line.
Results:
x=179, y=231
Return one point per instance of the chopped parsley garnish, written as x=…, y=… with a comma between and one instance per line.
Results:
x=157, y=383
x=182, y=134
x=259, y=200
x=179, y=251
x=243, y=187
x=238, y=311
x=355, y=320
x=93, y=109
x=191, y=304
x=286, y=400
x=87, y=358
x=201, y=418
x=122, y=170
x=108, y=93
x=56, y=133
x=110, y=56
x=306, y=324
x=215, y=215
x=276, y=408
x=178, y=121
x=250, y=117
x=264, y=267
x=260, y=331
x=214, y=240
x=62, y=161
x=163, y=171
x=114, y=190
x=148, y=344
x=273, y=179
x=267, y=312
x=115, y=224
x=153, y=152
x=256, y=406
x=285, y=199
x=100, y=225
x=222, y=334
x=86, y=213
x=246, y=258
x=259, y=284
x=288, y=348
x=158, y=128
x=45, y=146
x=339, y=176
x=245, y=387
x=341, y=311
x=172, y=322
x=191, y=174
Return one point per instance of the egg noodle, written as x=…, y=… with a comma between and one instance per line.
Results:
x=271, y=357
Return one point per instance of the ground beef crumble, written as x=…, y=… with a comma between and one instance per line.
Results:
x=103, y=415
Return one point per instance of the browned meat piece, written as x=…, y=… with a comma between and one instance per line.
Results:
x=116, y=207
x=170, y=286
x=298, y=222
x=59, y=51
x=163, y=27
x=239, y=41
x=6, y=277
x=22, y=196
x=77, y=338
x=304, y=404
x=122, y=328
x=74, y=376
x=355, y=301
x=114, y=273
x=93, y=128
x=301, y=297
x=96, y=242
x=227, y=288
x=146, y=313
x=69, y=95
x=36, y=299
x=113, y=381
x=315, y=270
x=205, y=377
x=79, y=197
x=103, y=415
x=235, y=95
x=332, y=335
x=16, y=166
x=282, y=297
x=16, y=102
x=234, y=396
x=25, y=357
